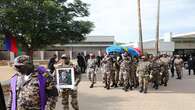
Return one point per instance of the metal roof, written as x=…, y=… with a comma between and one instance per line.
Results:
x=99, y=39
x=184, y=35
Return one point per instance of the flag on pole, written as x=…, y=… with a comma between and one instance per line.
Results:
x=7, y=43
x=14, y=48
x=10, y=44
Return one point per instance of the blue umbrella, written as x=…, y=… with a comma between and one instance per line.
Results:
x=114, y=48
x=133, y=52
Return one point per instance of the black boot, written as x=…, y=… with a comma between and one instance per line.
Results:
x=91, y=86
x=156, y=87
x=125, y=89
x=145, y=91
x=141, y=90
x=121, y=85
x=131, y=88
x=108, y=87
x=113, y=84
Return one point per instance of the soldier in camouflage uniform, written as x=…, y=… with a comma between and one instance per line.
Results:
x=155, y=72
x=65, y=63
x=115, y=71
x=164, y=61
x=178, y=65
x=133, y=77
x=26, y=90
x=91, y=69
x=125, y=72
x=107, y=69
x=143, y=74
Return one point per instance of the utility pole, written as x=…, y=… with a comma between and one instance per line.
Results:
x=140, y=25
x=157, y=28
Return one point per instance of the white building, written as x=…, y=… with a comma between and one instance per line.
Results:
x=184, y=43
x=149, y=46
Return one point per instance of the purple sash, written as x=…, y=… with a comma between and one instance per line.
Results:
x=13, y=88
x=42, y=84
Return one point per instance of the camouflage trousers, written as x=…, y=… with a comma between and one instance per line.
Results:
x=115, y=76
x=179, y=71
x=124, y=77
x=143, y=82
x=156, y=79
x=91, y=73
x=107, y=78
x=133, y=78
x=165, y=77
x=65, y=99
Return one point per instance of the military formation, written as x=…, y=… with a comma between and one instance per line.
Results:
x=34, y=87
x=123, y=70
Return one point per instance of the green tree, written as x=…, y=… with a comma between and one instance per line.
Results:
x=39, y=23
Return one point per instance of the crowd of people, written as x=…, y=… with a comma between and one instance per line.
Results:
x=123, y=70
x=34, y=87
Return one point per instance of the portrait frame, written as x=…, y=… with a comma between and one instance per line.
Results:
x=65, y=78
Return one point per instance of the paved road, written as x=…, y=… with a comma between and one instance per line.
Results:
x=179, y=95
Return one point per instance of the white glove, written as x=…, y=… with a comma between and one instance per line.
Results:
x=151, y=76
x=74, y=88
x=161, y=73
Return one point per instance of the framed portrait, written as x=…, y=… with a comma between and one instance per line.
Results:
x=65, y=78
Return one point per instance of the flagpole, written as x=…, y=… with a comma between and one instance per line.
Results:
x=140, y=26
x=158, y=28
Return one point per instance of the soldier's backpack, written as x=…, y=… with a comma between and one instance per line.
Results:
x=42, y=83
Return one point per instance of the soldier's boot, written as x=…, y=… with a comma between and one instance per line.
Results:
x=130, y=86
x=121, y=84
x=105, y=85
x=165, y=84
x=108, y=87
x=113, y=84
x=145, y=90
x=156, y=87
x=162, y=82
x=91, y=86
x=141, y=90
x=125, y=88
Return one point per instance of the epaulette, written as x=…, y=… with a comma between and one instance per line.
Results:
x=46, y=75
x=34, y=74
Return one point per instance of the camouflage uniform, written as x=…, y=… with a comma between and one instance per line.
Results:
x=107, y=69
x=143, y=75
x=91, y=71
x=70, y=92
x=155, y=72
x=133, y=77
x=164, y=62
x=178, y=65
x=125, y=73
x=115, y=73
x=28, y=93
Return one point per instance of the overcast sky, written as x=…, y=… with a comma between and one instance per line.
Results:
x=119, y=18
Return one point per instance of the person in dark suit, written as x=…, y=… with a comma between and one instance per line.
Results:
x=190, y=64
x=2, y=100
x=81, y=62
x=51, y=63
